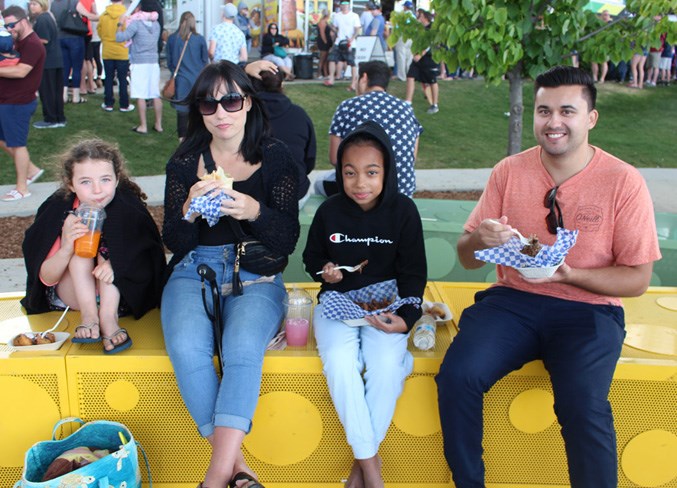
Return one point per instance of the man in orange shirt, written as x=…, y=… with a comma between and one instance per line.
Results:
x=573, y=320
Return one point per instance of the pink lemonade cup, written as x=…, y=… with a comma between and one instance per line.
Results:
x=296, y=330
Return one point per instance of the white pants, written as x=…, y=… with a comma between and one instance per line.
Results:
x=365, y=405
x=404, y=58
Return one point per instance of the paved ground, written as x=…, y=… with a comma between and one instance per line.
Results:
x=661, y=182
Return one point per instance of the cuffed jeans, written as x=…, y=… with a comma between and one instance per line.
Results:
x=579, y=344
x=364, y=406
x=249, y=322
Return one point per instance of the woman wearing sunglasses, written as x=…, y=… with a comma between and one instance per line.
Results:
x=227, y=128
x=272, y=49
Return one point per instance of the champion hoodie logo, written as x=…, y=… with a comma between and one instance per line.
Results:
x=338, y=238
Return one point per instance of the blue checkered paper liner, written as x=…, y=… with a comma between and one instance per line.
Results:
x=209, y=206
x=509, y=253
x=341, y=306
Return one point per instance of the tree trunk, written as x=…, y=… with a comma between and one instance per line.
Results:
x=516, y=109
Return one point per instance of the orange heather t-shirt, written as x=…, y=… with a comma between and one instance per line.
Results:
x=608, y=202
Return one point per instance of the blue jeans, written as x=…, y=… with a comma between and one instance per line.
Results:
x=579, y=344
x=249, y=322
x=111, y=67
x=73, y=51
x=366, y=405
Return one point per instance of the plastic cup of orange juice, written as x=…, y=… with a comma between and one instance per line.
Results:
x=92, y=216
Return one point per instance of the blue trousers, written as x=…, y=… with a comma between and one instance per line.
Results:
x=73, y=51
x=579, y=344
x=249, y=322
x=121, y=68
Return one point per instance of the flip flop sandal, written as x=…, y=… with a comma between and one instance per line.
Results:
x=86, y=340
x=242, y=476
x=136, y=129
x=14, y=195
x=120, y=347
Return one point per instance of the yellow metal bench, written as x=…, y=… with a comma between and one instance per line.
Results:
x=297, y=440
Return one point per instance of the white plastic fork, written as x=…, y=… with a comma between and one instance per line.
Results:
x=350, y=269
x=523, y=239
x=43, y=334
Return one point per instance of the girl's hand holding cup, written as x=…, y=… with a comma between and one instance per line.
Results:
x=92, y=218
x=72, y=229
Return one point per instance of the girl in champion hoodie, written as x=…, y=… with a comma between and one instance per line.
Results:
x=367, y=220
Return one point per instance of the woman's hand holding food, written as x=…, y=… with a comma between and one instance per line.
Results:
x=330, y=274
x=199, y=189
x=240, y=206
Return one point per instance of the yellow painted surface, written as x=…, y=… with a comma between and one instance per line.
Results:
x=297, y=440
x=650, y=458
x=532, y=411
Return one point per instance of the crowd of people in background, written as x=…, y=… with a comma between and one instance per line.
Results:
x=120, y=51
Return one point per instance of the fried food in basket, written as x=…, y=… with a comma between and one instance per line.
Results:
x=23, y=340
x=374, y=304
x=533, y=247
x=437, y=312
x=37, y=339
x=48, y=339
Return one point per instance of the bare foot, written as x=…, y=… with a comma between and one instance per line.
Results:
x=88, y=329
x=109, y=329
x=355, y=478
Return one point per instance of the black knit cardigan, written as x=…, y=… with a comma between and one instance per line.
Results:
x=277, y=226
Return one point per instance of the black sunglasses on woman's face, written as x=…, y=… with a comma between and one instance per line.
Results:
x=554, y=217
x=232, y=102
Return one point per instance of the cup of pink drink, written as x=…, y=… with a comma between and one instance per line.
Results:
x=296, y=330
x=297, y=321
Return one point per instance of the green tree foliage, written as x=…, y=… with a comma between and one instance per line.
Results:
x=640, y=25
x=520, y=39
